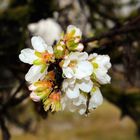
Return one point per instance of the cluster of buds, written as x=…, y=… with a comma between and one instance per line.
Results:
x=63, y=76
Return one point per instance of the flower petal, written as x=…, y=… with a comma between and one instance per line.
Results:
x=66, y=63
x=80, y=100
x=77, y=30
x=34, y=97
x=84, y=69
x=68, y=72
x=50, y=49
x=102, y=77
x=38, y=44
x=96, y=99
x=82, y=111
x=32, y=87
x=73, y=92
x=67, y=82
x=82, y=55
x=34, y=74
x=85, y=85
x=27, y=56
x=80, y=47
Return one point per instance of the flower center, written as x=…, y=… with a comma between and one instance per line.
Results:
x=95, y=65
x=47, y=57
x=72, y=64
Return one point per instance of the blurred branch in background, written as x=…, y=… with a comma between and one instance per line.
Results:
x=114, y=25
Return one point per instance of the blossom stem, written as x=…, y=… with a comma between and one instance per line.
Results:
x=87, y=103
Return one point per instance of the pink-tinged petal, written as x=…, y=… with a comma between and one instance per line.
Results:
x=34, y=74
x=80, y=47
x=34, y=97
x=27, y=56
x=32, y=87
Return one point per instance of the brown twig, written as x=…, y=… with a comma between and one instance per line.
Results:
x=120, y=31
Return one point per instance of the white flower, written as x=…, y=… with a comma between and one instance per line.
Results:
x=96, y=98
x=101, y=64
x=77, y=32
x=76, y=65
x=73, y=37
x=78, y=104
x=38, y=57
x=72, y=87
x=48, y=28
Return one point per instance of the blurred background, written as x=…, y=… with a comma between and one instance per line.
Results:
x=109, y=27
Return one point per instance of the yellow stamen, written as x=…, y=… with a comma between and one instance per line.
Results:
x=47, y=84
x=72, y=64
x=47, y=56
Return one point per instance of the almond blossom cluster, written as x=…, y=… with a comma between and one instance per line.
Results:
x=62, y=76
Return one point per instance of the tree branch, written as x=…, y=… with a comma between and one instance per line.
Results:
x=120, y=31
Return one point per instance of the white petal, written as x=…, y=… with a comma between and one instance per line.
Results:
x=77, y=30
x=80, y=100
x=84, y=69
x=63, y=102
x=66, y=63
x=78, y=56
x=38, y=44
x=73, y=92
x=68, y=72
x=91, y=56
x=73, y=56
x=32, y=27
x=80, y=47
x=47, y=28
x=64, y=85
x=34, y=74
x=27, y=56
x=82, y=55
x=102, y=77
x=34, y=97
x=86, y=86
x=103, y=61
x=67, y=82
x=96, y=99
x=82, y=111
x=50, y=49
